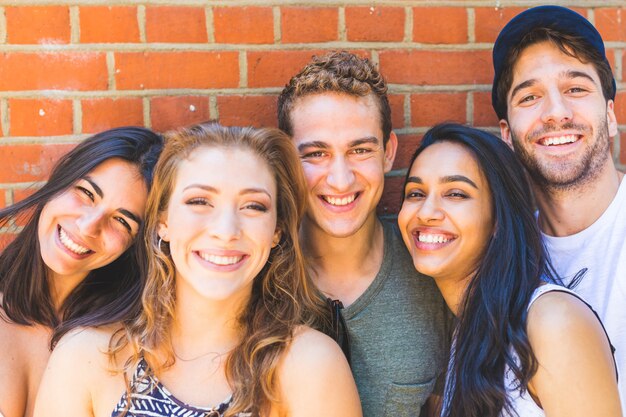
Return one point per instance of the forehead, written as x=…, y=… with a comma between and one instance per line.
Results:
x=544, y=60
x=445, y=159
x=335, y=118
x=226, y=168
x=121, y=183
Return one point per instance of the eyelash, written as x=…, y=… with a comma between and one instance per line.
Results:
x=257, y=206
x=124, y=223
x=86, y=192
x=314, y=154
x=198, y=201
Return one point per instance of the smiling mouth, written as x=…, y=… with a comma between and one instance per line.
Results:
x=339, y=201
x=558, y=140
x=221, y=260
x=69, y=244
x=432, y=238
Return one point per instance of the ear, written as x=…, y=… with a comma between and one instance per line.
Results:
x=277, y=235
x=390, y=151
x=163, y=229
x=505, y=132
x=610, y=118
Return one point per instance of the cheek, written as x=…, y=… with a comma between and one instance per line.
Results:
x=312, y=174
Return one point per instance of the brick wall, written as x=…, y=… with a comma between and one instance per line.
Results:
x=68, y=69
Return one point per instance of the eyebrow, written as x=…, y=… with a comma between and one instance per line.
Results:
x=323, y=145
x=95, y=186
x=98, y=191
x=445, y=180
x=211, y=189
x=567, y=74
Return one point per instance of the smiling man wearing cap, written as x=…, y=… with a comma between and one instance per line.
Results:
x=553, y=91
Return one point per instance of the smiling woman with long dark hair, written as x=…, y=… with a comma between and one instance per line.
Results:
x=75, y=262
x=522, y=347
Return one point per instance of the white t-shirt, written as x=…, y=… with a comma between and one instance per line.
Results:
x=601, y=248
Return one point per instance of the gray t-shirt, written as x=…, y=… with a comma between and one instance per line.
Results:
x=398, y=335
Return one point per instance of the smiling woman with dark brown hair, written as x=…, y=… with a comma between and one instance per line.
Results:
x=75, y=262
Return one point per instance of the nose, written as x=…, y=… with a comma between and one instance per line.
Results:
x=90, y=223
x=226, y=225
x=556, y=108
x=430, y=210
x=340, y=176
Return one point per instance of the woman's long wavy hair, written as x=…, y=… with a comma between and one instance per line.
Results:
x=493, y=311
x=108, y=294
x=282, y=296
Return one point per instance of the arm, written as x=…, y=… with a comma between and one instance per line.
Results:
x=13, y=381
x=65, y=388
x=576, y=373
x=315, y=379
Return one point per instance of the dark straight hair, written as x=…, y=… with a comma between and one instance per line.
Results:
x=493, y=311
x=108, y=294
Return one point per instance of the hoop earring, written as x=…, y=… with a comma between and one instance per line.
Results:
x=160, y=241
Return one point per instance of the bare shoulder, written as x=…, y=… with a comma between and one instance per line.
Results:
x=559, y=314
x=315, y=379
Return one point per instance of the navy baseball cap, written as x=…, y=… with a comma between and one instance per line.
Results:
x=558, y=18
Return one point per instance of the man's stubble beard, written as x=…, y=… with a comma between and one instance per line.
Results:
x=567, y=176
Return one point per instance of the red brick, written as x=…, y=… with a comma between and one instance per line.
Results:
x=375, y=24
x=37, y=24
x=407, y=144
x=20, y=194
x=429, y=109
x=440, y=24
x=620, y=107
x=275, y=68
x=22, y=163
x=176, y=70
x=5, y=239
x=176, y=24
x=106, y=113
x=53, y=71
x=490, y=21
x=436, y=67
x=243, y=24
x=392, y=196
x=309, y=24
x=102, y=24
x=33, y=117
x=174, y=112
x=611, y=23
x=258, y=111
x=484, y=114
x=396, y=102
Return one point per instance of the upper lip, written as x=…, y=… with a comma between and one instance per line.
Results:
x=220, y=252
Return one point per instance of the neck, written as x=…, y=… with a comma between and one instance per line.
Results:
x=453, y=291
x=61, y=286
x=564, y=213
x=206, y=327
x=343, y=267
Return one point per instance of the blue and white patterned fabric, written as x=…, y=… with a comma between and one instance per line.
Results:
x=151, y=399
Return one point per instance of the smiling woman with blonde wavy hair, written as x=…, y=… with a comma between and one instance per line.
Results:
x=227, y=305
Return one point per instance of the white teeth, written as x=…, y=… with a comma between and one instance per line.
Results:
x=429, y=238
x=70, y=244
x=560, y=140
x=221, y=260
x=340, y=201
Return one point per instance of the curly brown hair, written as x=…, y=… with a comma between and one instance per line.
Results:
x=282, y=296
x=338, y=72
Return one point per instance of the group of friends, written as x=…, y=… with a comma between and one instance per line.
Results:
x=236, y=271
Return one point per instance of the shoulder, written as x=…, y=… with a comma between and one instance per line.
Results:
x=310, y=362
x=560, y=312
